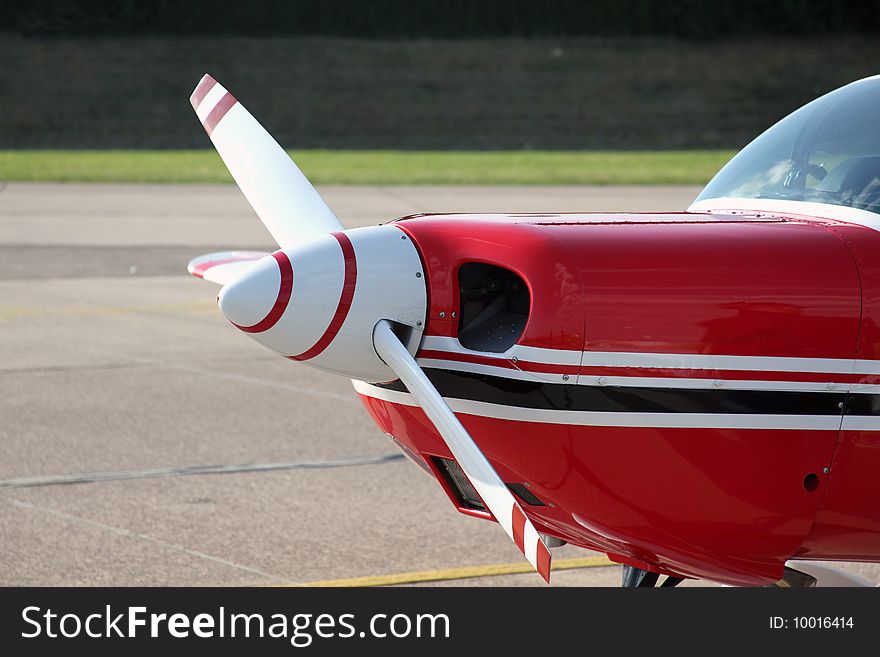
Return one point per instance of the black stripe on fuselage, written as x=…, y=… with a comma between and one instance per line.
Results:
x=618, y=399
x=859, y=404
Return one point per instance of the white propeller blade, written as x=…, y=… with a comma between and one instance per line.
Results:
x=223, y=267
x=473, y=462
x=283, y=198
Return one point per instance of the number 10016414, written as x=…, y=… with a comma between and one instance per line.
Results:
x=822, y=622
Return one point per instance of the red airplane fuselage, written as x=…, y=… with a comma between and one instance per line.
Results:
x=698, y=395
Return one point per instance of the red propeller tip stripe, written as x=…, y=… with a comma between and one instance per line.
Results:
x=204, y=86
x=226, y=103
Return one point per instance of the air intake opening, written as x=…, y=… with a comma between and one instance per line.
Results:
x=465, y=492
x=494, y=309
x=459, y=484
x=524, y=494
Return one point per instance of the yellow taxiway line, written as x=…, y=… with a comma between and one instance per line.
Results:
x=456, y=573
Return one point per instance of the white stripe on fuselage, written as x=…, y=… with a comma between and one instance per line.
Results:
x=522, y=352
x=788, y=208
x=638, y=359
x=509, y=366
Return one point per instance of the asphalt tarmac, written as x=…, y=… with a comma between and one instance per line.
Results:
x=145, y=441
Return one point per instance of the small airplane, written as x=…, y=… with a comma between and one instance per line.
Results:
x=695, y=394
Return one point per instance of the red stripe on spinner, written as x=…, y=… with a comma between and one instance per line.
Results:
x=204, y=87
x=219, y=112
x=281, y=300
x=543, y=561
x=345, y=299
x=519, y=528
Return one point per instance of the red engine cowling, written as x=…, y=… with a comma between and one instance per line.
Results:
x=685, y=392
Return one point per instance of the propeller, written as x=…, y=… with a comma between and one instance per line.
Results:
x=283, y=198
x=349, y=302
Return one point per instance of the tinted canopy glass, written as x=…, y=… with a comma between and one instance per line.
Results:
x=826, y=152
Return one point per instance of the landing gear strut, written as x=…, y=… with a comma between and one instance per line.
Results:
x=795, y=579
x=637, y=578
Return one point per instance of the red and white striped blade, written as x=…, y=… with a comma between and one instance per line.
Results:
x=223, y=267
x=493, y=491
x=283, y=198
